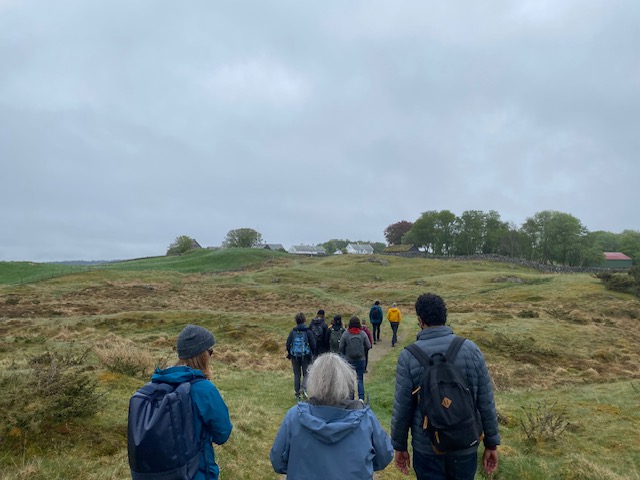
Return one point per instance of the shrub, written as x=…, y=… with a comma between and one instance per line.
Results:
x=543, y=421
x=54, y=391
x=122, y=356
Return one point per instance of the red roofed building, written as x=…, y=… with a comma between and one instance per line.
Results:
x=617, y=260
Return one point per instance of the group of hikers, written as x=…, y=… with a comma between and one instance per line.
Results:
x=353, y=342
x=443, y=396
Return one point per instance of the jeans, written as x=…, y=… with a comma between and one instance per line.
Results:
x=300, y=367
x=445, y=467
x=394, y=327
x=376, y=331
x=358, y=366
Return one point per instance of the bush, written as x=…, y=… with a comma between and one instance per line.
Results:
x=122, y=356
x=55, y=390
x=543, y=421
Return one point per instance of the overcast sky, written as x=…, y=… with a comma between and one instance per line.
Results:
x=124, y=124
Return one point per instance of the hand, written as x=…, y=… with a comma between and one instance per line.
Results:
x=490, y=461
x=402, y=461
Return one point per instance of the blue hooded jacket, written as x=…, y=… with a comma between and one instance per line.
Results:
x=330, y=443
x=212, y=414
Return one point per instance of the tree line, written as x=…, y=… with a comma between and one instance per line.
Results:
x=548, y=237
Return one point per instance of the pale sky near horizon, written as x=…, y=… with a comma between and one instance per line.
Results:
x=126, y=124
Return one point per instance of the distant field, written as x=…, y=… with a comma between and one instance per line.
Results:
x=555, y=344
x=198, y=261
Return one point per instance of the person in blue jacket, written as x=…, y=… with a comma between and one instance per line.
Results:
x=194, y=347
x=331, y=437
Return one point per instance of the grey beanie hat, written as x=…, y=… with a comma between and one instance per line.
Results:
x=193, y=340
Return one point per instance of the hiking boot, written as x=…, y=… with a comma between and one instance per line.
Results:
x=298, y=397
x=306, y=395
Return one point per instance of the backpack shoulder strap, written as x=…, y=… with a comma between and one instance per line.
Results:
x=420, y=354
x=454, y=348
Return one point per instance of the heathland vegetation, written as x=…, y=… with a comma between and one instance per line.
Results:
x=563, y=352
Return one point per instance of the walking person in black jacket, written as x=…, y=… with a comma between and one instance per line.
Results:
x=301, y=348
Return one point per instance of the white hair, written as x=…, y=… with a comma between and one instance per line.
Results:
x=331, y=380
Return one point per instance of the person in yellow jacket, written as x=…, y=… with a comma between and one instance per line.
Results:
x=394, y=316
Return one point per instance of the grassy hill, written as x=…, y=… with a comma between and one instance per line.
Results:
x=561, y=349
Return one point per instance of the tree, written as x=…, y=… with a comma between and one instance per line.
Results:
x=334, y=245
x=394, y=232
x=555, y=237
x=242, y=238
x=180, y=245
x=630, y=244
x=423, y=231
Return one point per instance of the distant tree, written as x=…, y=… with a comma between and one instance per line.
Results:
x=378, y=247
x=469, y=232
x=555, y=237
x=242, y=238
x=630, y=244
x=494, y=229
x=394, y=232
x=423, y=231
x=445, y=232
x=180, y=245
x=333, y=245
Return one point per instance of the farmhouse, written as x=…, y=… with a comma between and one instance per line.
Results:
x=307, y=250
x=359, y=249
x=617, y=260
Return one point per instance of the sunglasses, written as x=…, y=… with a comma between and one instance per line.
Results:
x=210, y=351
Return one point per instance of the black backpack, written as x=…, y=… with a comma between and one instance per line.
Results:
x=317, y=329
x=354, y=350
x=334, y=339
x=161, y=433
x=450, y=417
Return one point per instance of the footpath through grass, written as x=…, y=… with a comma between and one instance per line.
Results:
x=558, y=345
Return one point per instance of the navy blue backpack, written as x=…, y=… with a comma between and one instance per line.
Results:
x=161, y=439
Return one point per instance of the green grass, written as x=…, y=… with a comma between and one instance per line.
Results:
x=562, y=338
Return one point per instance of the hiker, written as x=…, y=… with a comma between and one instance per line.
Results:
x=394, y=316
x=314, y=437
x=366, y=330
x=335, y=334
x=321, y=331
x=435, y=337
x=301, y=346
x=209, y=412
x=375, y=317
x=353, y=347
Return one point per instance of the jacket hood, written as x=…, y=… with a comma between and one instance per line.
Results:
x=176, y=375
x=318, y=320
x=302, y=327
x=329, y=424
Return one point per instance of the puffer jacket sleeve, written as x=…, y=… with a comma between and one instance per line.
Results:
x=479, y=377
x=403, y=404
x=279, y=454
x=381, y=445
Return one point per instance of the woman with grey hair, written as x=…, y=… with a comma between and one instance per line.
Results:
x=314, y=436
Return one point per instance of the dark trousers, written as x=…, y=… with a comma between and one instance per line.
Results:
x=445, y=467
x=358, y=366
x=300, y=367
x=394, y=328
x=376, y=331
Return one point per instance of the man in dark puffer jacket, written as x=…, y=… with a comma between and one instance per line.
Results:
x=435, y=337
